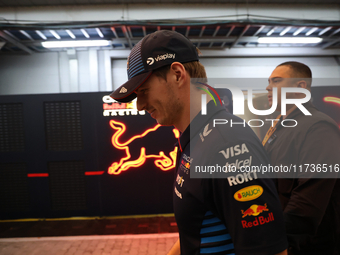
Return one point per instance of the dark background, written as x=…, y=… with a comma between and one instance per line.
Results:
x=67, y=136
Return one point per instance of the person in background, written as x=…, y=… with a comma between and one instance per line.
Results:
x=310, y=197
x=226, y=98
x=213, y=215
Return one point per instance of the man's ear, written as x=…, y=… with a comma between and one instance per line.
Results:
x=179, y=72
x=302, y=84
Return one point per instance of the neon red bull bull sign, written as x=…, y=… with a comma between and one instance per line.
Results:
x=161, y=160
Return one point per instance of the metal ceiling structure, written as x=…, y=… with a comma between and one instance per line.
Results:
x=23, y=38
x=241, y=31
x=21, y=3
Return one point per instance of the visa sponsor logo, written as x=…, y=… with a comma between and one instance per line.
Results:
x=234, y=151
x=248, y=193
x=241, y=178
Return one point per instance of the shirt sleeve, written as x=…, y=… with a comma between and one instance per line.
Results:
x=247, y=204
x=311, y=196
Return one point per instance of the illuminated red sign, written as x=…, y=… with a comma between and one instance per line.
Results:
x=335, y=100
x=162, y=161
x=113, y=108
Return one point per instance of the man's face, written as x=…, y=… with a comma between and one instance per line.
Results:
x=158, y=97
x=281, y=77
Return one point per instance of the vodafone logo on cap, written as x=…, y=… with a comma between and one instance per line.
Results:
x=150, y=61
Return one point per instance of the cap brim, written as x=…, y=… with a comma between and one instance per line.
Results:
x=125, y=93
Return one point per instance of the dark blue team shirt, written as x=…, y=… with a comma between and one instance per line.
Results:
x=226, y=213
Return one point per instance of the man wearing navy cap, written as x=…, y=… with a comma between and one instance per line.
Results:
x=216, y=213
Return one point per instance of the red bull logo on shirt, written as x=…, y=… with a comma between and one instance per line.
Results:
x=255, y=210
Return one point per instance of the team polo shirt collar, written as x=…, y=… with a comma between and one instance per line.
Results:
x=198, y=122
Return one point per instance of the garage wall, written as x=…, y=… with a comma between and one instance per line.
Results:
x=254, y=72
x=55, y=73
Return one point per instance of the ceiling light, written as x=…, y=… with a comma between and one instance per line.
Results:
x=41, y=34
x=298, y=31
x=55, y=34
x=285, y=31
x=70, y=34
x=67, y=44
x=325, y=30
x=291, y=40
x=271, y=31
x=26, y=34
x=99, y=32
x=311, y=31
x=85, y=33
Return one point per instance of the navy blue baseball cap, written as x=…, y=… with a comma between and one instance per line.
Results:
x=155, y=50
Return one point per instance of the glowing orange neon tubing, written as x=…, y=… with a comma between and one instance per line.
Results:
x=332, y=99
x=335, y=100
x=162, y=161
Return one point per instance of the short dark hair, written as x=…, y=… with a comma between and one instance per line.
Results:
x=300, y=70
x=195, y=69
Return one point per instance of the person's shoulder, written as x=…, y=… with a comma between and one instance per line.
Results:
x=317, y=117
x=225, y=130
x=233, y=128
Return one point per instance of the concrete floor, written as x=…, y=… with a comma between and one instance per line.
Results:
x=137, y=244
x=126, y=236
